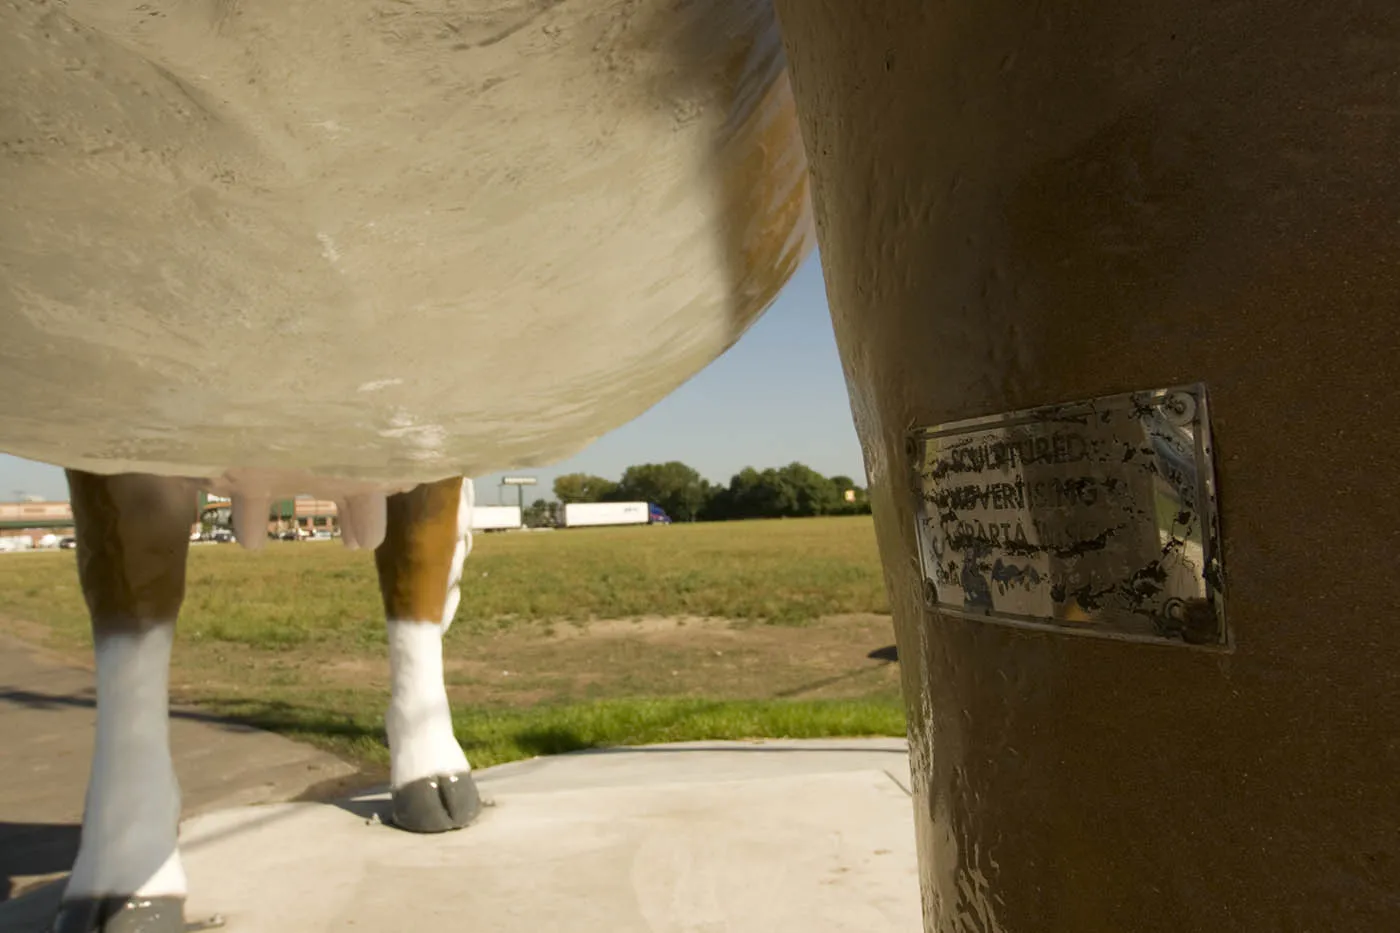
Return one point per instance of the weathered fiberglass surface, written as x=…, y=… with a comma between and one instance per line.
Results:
x=377, y=242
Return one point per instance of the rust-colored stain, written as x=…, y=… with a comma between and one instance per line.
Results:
x=764, y=189
x=763, y=253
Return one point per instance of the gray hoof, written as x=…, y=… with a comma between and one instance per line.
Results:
x=436, y=804
x=120, y=915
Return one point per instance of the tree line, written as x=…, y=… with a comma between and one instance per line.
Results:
x=792, y=491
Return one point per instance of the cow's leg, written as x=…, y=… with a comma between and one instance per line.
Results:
x=426, y=539
x=133, y=536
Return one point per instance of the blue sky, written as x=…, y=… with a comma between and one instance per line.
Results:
x=777, y=396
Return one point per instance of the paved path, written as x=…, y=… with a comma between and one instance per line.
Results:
x=47, y=717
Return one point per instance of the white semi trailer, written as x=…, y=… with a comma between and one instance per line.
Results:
x=496, y=517
x=582, y=514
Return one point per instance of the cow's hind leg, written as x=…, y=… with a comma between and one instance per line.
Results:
x=426, y=539
x=133, y=537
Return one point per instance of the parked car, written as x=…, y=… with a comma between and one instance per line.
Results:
x=67, y=544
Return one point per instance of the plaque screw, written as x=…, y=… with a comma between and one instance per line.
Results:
x=1179, y=408
x=930, y=594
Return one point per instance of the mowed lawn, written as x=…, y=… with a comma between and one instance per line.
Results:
x=564, y=639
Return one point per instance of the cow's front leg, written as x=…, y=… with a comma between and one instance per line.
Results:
x=426, y=539
x=133, y=536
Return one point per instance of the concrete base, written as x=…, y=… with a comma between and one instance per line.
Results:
x=763, y=837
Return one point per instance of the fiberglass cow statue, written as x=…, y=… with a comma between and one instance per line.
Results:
x=361, y=250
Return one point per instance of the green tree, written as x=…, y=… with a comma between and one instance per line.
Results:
x=859, y=504
x=539, y=513
x=807, y=492
x=582, y=487
x=751, y=494
x=678, y=489
x=793, y=491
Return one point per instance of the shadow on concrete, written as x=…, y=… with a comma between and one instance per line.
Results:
x=29, y=849
x=365, y=781
x=56, y=702
x=32, y=911
x=373, y=805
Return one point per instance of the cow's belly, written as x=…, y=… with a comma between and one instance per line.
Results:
x=376, y=241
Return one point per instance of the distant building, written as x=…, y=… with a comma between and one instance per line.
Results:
x=304, y=513
x=299, y=512
x=35, y=518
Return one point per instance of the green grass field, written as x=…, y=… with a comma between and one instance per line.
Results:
x=564, y=640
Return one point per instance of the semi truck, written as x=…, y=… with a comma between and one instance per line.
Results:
x=496, y=517
x=584, y=514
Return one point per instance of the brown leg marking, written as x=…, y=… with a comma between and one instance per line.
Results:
x=415, y=560
x=133, y=536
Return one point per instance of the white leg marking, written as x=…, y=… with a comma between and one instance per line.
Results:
x=419, y=722
x=459, y=554
x=250, y=520
x=133, y=802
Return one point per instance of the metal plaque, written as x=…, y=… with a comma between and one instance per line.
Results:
x=1095, y=517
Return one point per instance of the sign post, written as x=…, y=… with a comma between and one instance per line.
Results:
x=519, y=482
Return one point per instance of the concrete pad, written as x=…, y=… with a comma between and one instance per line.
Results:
x=733, y=837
